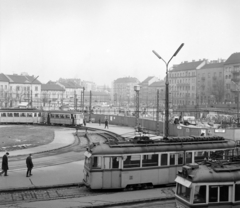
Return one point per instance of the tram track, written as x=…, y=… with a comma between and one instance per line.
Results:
x=11, y=197
x=67, y=154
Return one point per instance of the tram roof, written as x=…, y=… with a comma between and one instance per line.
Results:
x=215, y=173
x=61, y=111
x=132, y=148
x=20, y=110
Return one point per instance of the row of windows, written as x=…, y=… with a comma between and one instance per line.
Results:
x=20, y=114
x=182, y=74
x=68, y=116
x=150, y=160
x=216, y=193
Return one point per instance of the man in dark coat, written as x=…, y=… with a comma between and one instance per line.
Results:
x=5, y=164
x=106, y=124
x=29, y=165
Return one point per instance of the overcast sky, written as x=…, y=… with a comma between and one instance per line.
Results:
x=102, y=40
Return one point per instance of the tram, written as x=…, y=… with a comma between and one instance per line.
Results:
x=212, y=184
x=38, y=116
x=146, y=163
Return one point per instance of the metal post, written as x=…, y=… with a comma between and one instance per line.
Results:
x=167, y=88
x=137, y=88
x=238, y=124
x=90, y=106
x=83, y=98
x=166, y=104
x=158, y=123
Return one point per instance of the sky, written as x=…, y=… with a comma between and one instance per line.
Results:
x=103, y=40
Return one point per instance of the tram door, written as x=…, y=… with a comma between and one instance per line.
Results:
x=175, y=164
x=111, y=172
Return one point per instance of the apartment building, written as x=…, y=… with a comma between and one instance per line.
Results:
x=123, y=90
x=210, y=83
x=182, y=82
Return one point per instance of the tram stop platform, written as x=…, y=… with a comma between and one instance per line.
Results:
x=67, y=174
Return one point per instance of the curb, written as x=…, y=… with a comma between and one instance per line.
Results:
x=41, y=187
x=137, y=201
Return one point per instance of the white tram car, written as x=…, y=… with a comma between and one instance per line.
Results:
x=212, y=184
x=37, y=116
x=142, y=164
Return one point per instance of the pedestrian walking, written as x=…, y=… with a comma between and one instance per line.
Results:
x=29, y=165
x=5, y=164
x=99, y=121
x=106, y=124
x=84, y=122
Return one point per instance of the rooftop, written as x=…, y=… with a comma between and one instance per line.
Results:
x=21, y=79
x=233, y=59
x=126, y=80
x=51, y=87
x=187, y=66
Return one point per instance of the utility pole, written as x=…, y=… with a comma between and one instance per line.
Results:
x=90, y=106
x=137, y=89
x=158, y=123
x=167, y=89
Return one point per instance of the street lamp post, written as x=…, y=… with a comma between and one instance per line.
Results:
x=31, y=89
x=137, y=89
x=83, y=97
x=167, y=89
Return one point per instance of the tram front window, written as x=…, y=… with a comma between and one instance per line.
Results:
x=199, y=195
x=213, y=194
x=96, y=162
x=183, y=192
x=237, y=192
x=87, y=161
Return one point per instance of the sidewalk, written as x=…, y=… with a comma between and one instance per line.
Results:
x=72, y=173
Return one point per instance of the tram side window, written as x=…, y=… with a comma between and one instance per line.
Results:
x=213, y=194
x=183, y=192
x=22, y=115
x=164, y=158
x=150, y=160
x=16, y=114
x=10, y=115
x=34, y=114
x=3, y=115
x=115, y=162
x=188, y=157
x=29, y=114
x=200, y=195
x=61, y=116
x=172, y=159
x=131, y=161
x=180, y=158
x=216, y=155
x=52, y=115
x=67, y=116
x=56, y=116
x=39, y=114
x=96, y=162
x=200, y=156
x=237, y=192
x=224, y=193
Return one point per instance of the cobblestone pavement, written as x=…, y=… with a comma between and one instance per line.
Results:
x=15, y=197
x=45, y=194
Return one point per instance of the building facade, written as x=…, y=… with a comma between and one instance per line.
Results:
x=231, y=76
x=123, y=90
x=210, y=83
x=145, y=97
x=182, y=83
